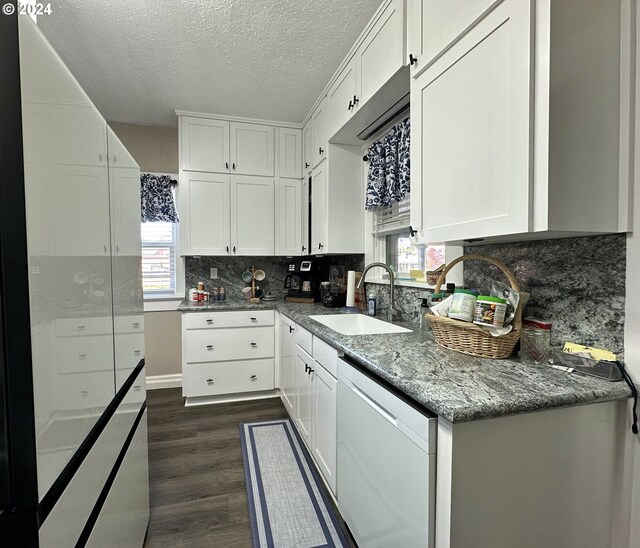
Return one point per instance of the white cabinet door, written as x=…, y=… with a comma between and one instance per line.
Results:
x=204, y=144
x=205, y=223
x=290, y=153
x=319, y=128
x=306, y=240
x=252, y=149
x=476, y=145
x=433, y=25
x=324, y=434
x=307, y=145
x=289, y=216
x=79, y=210
x=81, y=136
x=342, y=97
x=381, y=54
x=252, y=215
x=305, y=374
x=319, y=221
x=124, y=186
x=288, y=365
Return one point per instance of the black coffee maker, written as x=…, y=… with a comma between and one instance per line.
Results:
x=334, y=292
x=302, y=282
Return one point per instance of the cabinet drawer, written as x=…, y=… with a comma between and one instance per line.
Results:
x=84, y=354
x=236, y=318
x=304, y=339
x=85, y=391
x=72, y=327
x=213, y=345
x=129, y=324
x=210, y=379
x=326, y=355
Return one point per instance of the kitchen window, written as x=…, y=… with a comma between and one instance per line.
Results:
x=159, y=258
x=405, y=255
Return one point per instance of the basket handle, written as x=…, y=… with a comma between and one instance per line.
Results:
x=517, y=321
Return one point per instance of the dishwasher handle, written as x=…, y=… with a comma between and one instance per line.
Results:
x=375, y=405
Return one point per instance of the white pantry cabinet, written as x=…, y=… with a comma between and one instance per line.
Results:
x=220, y=146
x=252, y=215
x=337, y=202
x=289, y=217
x=290, y=153
x=502, y=125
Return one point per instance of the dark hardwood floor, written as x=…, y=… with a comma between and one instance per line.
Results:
x=197, y=488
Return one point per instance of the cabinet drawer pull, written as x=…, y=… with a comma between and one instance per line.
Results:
x=320, y=246
x=233, y=166
x=254, y=320
x=306, y=165
x=84, y=393
x=306, y=368
x=320, y=151
x=226, y=165
x=311, y=371
x=210, y=321
x=234, y=248
x=355, y=101
x=412, y=60
x=136, y=324
x=303, y=249
x=254, y=345
x=209, y=381
x=136, y=352
x=350, y=105
x=81, y=327
x=291, y=330
x=209, y=347
x=137, y=387
x=82, y=356
x=254, y=377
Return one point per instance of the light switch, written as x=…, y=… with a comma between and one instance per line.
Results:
x=214, y=273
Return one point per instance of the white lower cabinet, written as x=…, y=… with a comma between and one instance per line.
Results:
x=308, y=390
x=228, y=355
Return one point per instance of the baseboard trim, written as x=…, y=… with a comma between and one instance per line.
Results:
x=229, y=398
x=156, y=382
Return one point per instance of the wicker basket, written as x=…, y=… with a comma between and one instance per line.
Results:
x=469, y=338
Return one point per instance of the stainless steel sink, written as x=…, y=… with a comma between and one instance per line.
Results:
x=358, y=324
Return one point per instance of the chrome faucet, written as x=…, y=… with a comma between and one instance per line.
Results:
x=392, y=303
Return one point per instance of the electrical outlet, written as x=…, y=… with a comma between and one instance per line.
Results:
x=214, y=273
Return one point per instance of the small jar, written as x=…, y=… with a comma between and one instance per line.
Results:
x=193, y=295
x=490, y=311
x=463, y=305
x=535, y=342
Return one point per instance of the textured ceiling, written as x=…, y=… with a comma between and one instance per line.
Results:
x=139, y=60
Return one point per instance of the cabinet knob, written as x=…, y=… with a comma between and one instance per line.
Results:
x=303, y=249
x=355, y=101
x=209, y=381
x=254, y=377
x=254, y=345
x=412, y=60
x=209, y=321
x=136, y=352
x=209, y=347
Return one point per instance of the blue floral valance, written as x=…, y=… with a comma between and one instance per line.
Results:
x=389, y=167
x=157, y=203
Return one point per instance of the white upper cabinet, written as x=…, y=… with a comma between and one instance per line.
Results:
x=204, y=144
x=433, y=25
x=252, y=149
x=502, y=124
x=381, y=54
x=471, y=128
x=319, y=129
x=289, y=217
x=205, y=216
x=86, y=142
x=342, y=97
x=290, y=153
x=307, y=146
x=252, y=215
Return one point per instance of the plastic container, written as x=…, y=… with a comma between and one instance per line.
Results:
x=463, y=305
x=490, y=311
x=535, y=341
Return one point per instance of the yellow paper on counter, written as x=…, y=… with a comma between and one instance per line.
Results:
x=596, y=353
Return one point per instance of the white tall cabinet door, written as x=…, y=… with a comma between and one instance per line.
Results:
x=306, y=241
x=206, y=227
x=252, y=149
x=307, y=146
x=342, y=97
x=290, y=164
x=305, y=378
x=324, y=434
x=289, y=216
x=319, y=220
x=381, y=54
x=204, y=144
x=319, y=132
x=288, y=367
x=252, y=215
x=476, y=145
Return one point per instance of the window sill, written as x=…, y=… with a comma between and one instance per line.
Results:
x=162, y=303
x=401, y=283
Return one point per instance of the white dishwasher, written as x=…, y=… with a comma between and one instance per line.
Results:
x=386, y=464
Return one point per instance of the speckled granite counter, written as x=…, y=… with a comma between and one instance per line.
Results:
x=457, y=387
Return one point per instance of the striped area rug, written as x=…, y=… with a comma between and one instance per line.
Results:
x=287, y=505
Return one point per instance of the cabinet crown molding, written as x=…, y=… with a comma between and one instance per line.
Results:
x=224, y=117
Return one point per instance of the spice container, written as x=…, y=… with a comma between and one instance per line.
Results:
x=535, y=341
x=463, y=305
x=490, y=311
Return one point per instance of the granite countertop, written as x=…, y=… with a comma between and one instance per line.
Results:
x=455, y=386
